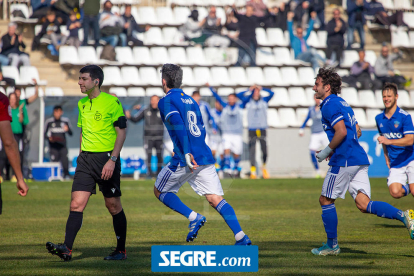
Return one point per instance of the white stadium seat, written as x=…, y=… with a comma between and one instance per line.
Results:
x=310, y=96
x=238, y=76
x=28, y=73
x=136, y=92
x=349, y=57
x=68, y=55
x=367, y=98
x=170, y=35
x=195, y=56
x=225, y=91
x=87, y=55
x=322, y=37
x=220, y=76
x=177, y=56
x=159, y=55
x=276, y=37
x=153, y=37
x=350, y=95
x=255, y=76
x=149, y=75
x=273, y=118
x=265, y=56
x=215, y=55
x=142, y=55
x=399, y=38
x=412, y=97
x=202, y=75
x=388, y=4
x=147, y=16
x=282, y=56
x=154, y=91
x=297, y=96
x=205, y=92
x=118, y=91
x=301, y=114
x=281, y=97
x=411, y=35
x=404, y=99
x=273, y=77
x=11, y=72
x=124, y=55
x=408, y=18
x=165, y=16
x=371, y=114
x=188, y=77
x=130, y=75
x=181, y=14
x=289, y=75
x=112, y=76
x=54, y=92
x=288, y=117
x=361, y=117
x=220, y=13
x=313, y=40
x=370, y=57
x=378, y=98
x=261, y=37
x=245, y=120
x=31, y=90
x=306, y=76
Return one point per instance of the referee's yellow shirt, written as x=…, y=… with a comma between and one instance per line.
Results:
x=96, y=118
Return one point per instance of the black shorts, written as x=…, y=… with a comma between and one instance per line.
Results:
x=89, y=171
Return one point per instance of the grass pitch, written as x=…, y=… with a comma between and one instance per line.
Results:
x=282, y=217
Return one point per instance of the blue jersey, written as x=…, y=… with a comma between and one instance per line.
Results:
x=316, y=117
x=399, y=125
x=349, y=152
x=189, y=134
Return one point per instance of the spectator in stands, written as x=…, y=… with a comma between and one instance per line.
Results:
x=384, y=69
x=56, y=128
x=191, y=30
x=31, y=99
x=51, y=30
x=40, y=7
x=62, y=9
x=247, y=37
x=112, y=26
x=273, y=20
x=211, y=24
x=259, y=7
x=318, y=6
x=300, y=46
x=91, y=18
x=4, y=60
x=336, y=29
x=11, y=47
x=73, y=26
x=131, y=27
x=361, y=72
x=4, y=82
x=301, y=11
x=356, y=10
x=232, y=25
x=377, y=12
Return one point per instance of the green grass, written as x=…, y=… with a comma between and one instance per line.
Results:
x=282, y=217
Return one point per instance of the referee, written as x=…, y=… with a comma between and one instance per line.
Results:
x=103, y=130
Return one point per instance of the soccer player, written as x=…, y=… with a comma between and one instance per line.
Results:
x=215, y=140
x=256, y=106
x=348, y=163
x=10, y=146
x=193, y=161
x=231, y=121
x=103, y=127
x=318, y=136
x=397, y=136
x=210, y=124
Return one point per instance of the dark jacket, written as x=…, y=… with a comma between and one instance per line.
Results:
x=153, y=125
x=353, y=11
x=335, y=38
x=55, y=129
x=133, y=25
x=91, y=7
x=46, y=26
x=37, y=4
x=9, y=48
x=316, y=5
x=248, y=26
x=375, y=7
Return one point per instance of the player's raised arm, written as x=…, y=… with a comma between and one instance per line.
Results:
x=218, y=98
x=270, y=96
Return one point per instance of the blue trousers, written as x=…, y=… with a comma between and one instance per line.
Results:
x=360, y=29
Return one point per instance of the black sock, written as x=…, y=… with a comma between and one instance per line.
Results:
x=120, y=227
x=73, y=225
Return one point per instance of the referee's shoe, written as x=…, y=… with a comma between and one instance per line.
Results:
x=61, y=250
x=117, y=255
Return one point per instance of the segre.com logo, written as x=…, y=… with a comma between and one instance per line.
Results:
x=204, y=258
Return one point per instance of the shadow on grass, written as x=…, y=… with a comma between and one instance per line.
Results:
x=389, y=226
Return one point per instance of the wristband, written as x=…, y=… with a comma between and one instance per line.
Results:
x=323, y=154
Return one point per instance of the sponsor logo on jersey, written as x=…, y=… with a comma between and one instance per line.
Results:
x=393, y=135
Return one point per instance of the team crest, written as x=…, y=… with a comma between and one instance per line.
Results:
x=396, y=124
x=98, y=116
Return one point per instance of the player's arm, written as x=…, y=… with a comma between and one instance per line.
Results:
x=270, y=96
x=339, y=136
x=218, y=98
x=359, y=131
x=301, y=133
x=138, y=117
x=69, y=131
x=12, y=152
x=211, y=119
x=36, y=94
x=241, y=96
x=80, y=142
x=246, y=99
x=387, y=158
x=407, y=140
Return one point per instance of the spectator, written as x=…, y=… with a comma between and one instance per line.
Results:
x=356, y=20
x=273, y=20
x=73, y=26
x=131, y=27
x=259, y=8
x=56, y=128
x=112, y=26
x=11, y=47
x=283, y=11
x=300, y=47
x=6, y=81
x=4, y=60
x=29, y=100
x=40, y=7
x=19, y=120
x=62, y=9
x=211, y=24
x=302, y=14
x=318, y=6
x=247, y=37
x=380, y=16
x=50, y=30
x=336, y=29
x=91, y=18
x=191, y=30
x=361, y=72
x=153, y=131
x=232, y=25
x=384, y=69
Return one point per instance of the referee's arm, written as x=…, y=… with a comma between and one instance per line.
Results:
x=109, y=167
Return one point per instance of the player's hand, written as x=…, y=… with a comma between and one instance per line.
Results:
x=138, y=106
x=51, y=139
x=65, y=128
x=290, y=16
x=108, y=170
x=22, y=187
x=191, y=163
x=384, y=140
x=301, y=132
x=127, y=114
x=207, y=84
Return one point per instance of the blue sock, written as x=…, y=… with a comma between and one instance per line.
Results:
x=314, y=160
x=330, y=221
x=406, y=188
x=227, y=212
x=227, y=162
x=385, y=210
x=236, y=163
x=172, y=201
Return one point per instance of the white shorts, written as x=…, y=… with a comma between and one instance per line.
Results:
x=318, y=140
x=340, y=179
x=204, y=180
x=215, y=143
x=402, y=175
x=233, y=142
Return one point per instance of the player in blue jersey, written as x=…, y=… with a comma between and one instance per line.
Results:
x=397, y=136
x=210, y=124
x=231, y=123
x=348, y=163
x=256, y=107
x=193, y=161
x=318, y=137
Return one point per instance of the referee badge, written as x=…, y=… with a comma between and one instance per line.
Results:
x=98, y=116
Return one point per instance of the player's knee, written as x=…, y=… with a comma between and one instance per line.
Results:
x=214, y=200
x=361, y=207
x=76, y=206
x=113, y=207
x=395, y=191
x=325, y=201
